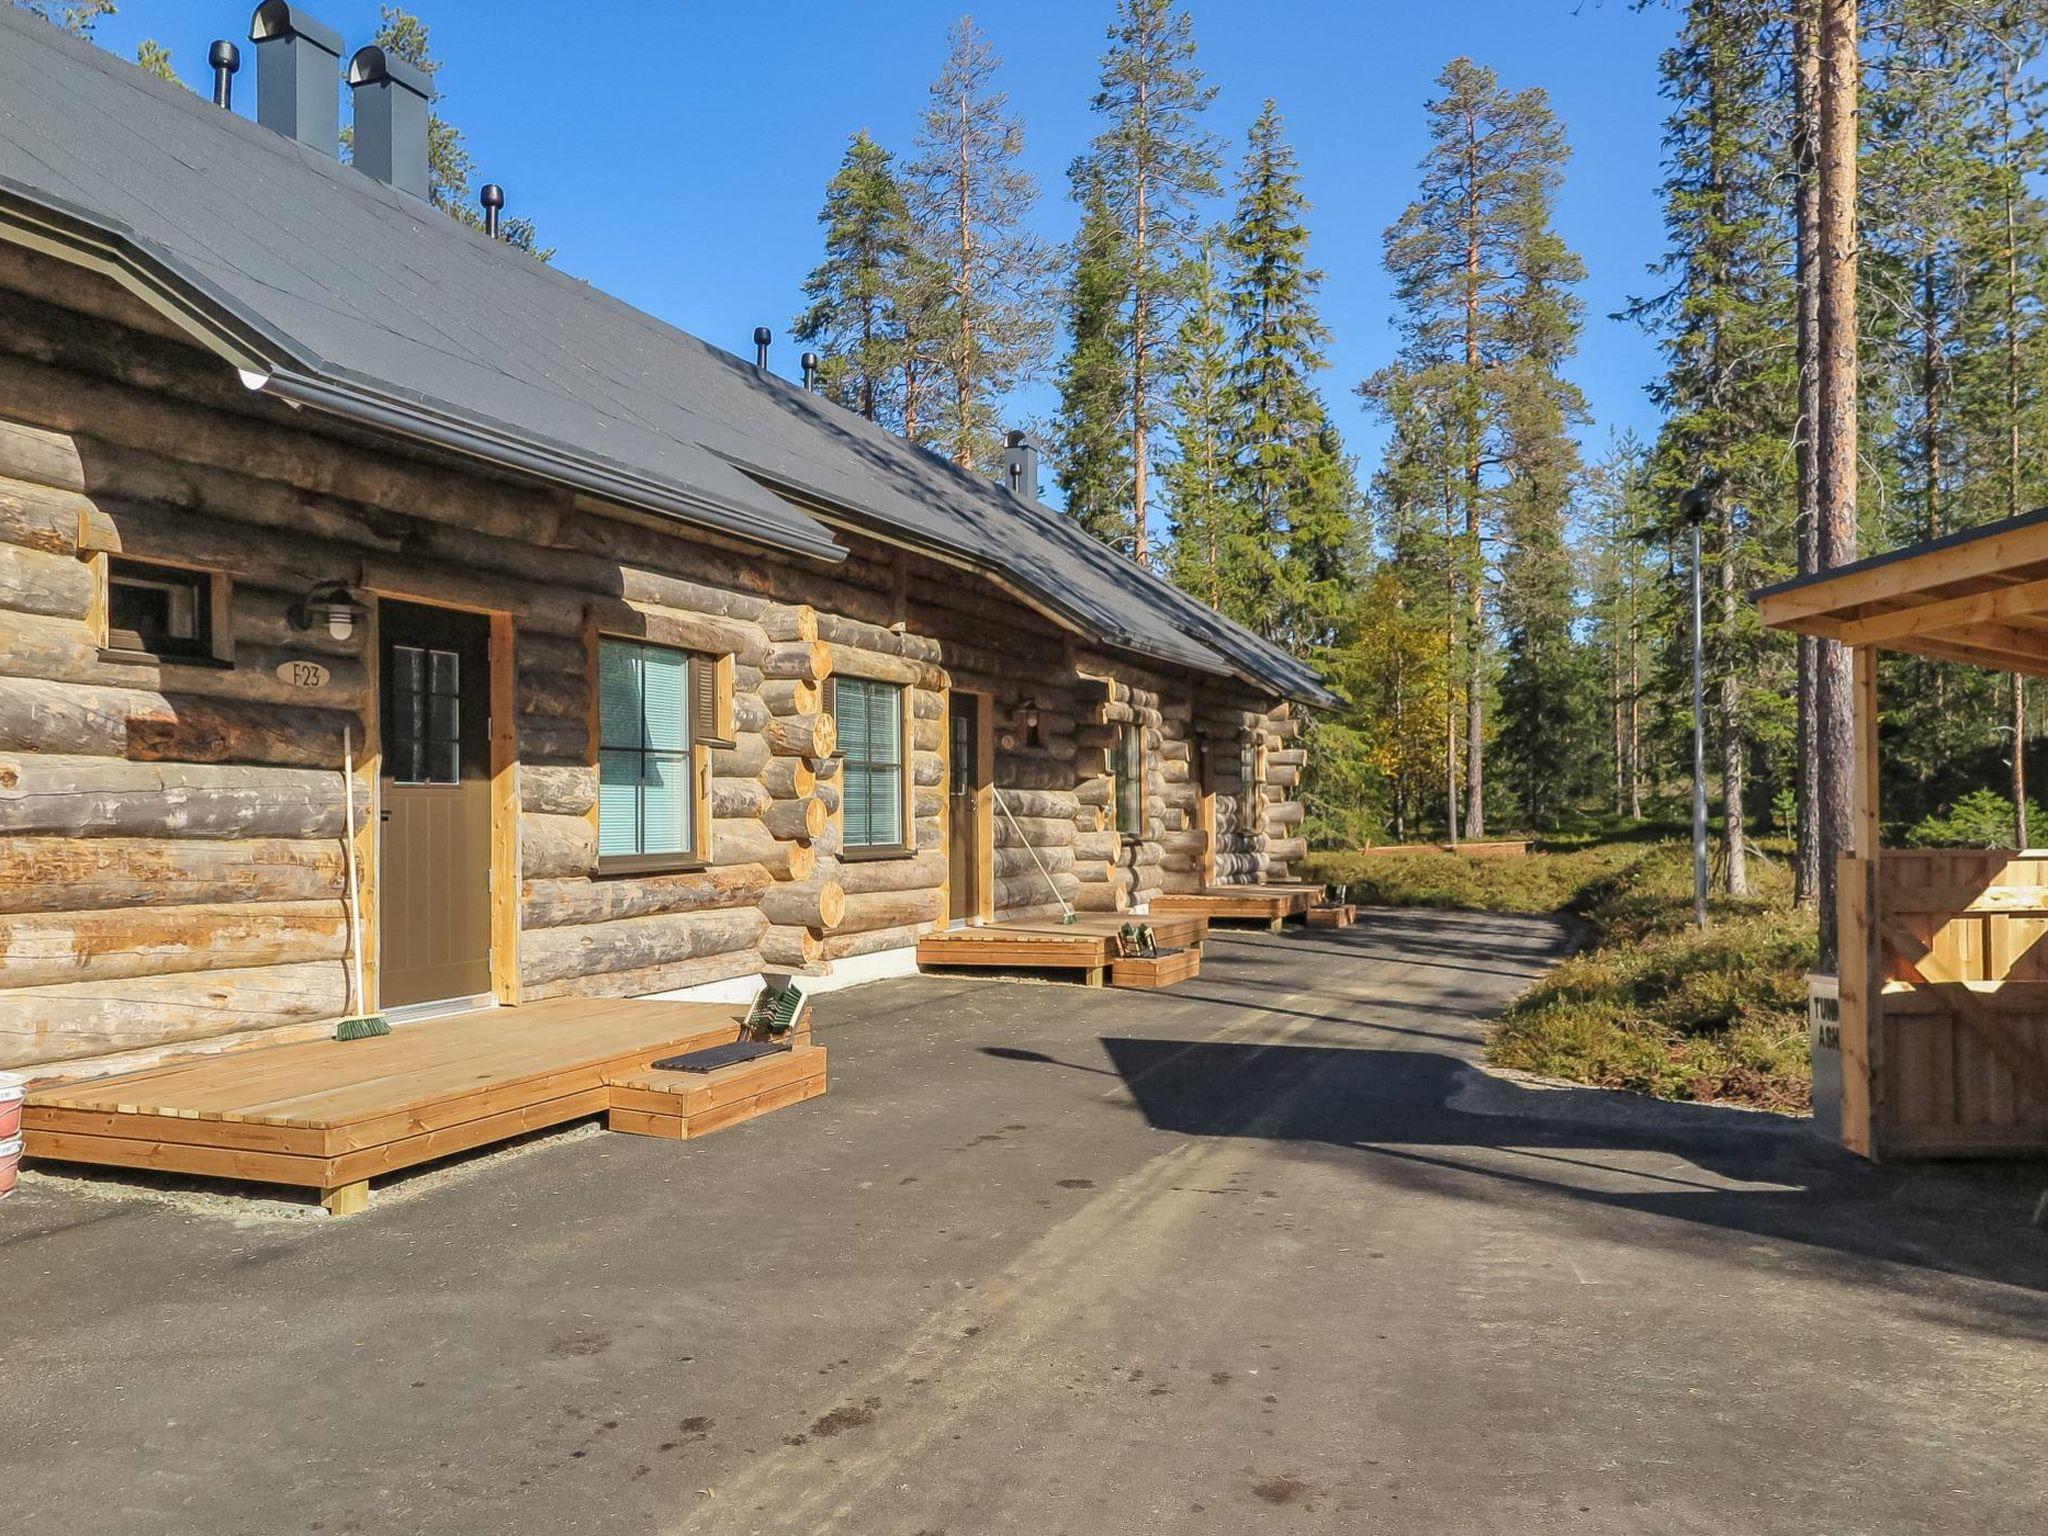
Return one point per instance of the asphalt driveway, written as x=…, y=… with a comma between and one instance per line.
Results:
x=1266, y=1253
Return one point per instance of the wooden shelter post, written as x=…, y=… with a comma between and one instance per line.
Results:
x=1860, y=963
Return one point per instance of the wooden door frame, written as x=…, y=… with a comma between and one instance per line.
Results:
x=1205, y=805
x=982, y=905
x=504, y=770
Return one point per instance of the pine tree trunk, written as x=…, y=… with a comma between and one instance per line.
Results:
x=1840, y=68
x=2012, y=434
x=1475, y=575
x=2021, y=839
x=1140, y=340
x=1734, y=844
x=1806, y=237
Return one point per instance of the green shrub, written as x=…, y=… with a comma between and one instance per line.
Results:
x=1650, y=1004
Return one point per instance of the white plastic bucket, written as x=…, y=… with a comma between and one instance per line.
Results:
x=12, y=1089
x=10, y=1165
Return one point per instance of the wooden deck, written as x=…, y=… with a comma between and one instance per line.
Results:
x=1088, y=944
x=1271, y=905
x=330, y=1115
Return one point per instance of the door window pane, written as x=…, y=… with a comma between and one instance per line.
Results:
x=424, y=735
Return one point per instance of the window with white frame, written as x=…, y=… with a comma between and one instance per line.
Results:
x=647, y=814
x=869, y=716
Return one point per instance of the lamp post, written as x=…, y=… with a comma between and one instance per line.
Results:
x=1693, y=507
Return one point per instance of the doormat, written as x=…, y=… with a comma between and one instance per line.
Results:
x=712, y=1057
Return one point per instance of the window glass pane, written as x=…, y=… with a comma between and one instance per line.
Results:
x=618, y=802
x=870, y=721
x=618, y=694
x=886, y=805
x=444, y=673
x=665, y=699
x=665, y=804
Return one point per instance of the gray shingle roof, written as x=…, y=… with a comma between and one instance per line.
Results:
x=345, y=293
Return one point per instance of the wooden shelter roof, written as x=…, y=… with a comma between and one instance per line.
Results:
x=1980, y=596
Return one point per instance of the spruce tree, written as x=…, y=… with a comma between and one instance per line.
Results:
x=1276, y=417
x=972, y=200
x=1094, y=440
x=864, y=291
x=1207, y=533
x=1156, y=164
x=155, y=58
x=77, y=17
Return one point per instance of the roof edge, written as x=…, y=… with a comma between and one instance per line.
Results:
x=270, y=362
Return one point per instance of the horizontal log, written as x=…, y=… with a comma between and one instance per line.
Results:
x=1287, y=849
x=926, y=704
x=1027, y=803
x=1015, y=863
x=551, y=847
x=917, y=872
x=45, y=582
x=535, y=652
x=927, y=768
x=874, y=941
x=1034, y=831
x=558, y=789
x=890, y=909
x=109, y=797
x=555, y=903
x=794, y=949
x=1034, y=890
x=634, y=943
x=882, y=668
x=750, y=711
x=45, y=1024
x=1288, y=813
x=1102, y=847
x=795, y=820
x=36, y=456
x=819, y=902
x=739, y=797
x=746, y=758
x=791, y=696
x=47, y=948
x=813, y=736
x=666, y=589
x=699, y=970
x=557, y=695
x=789, y=778
x=43, y=874
x=150, y=727
x=784, y=622
x=854, y=634
x=553, y=740
x=800, y=660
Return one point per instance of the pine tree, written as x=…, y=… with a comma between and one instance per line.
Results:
x=1475, y=245
x=1094, y=439
x=864, y=291
x=156, y=59
x=77, y=17
x=972, y=199
x=450, y=170
x=1276, y=419
x=1156, y=164
x=1619, y=577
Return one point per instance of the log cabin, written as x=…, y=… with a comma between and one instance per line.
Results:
x=336, y=532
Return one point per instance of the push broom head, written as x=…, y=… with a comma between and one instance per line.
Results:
x=362, y=1028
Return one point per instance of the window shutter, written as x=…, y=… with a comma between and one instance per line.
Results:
x=703, y=699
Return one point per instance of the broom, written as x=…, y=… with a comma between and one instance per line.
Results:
x=360, y=1026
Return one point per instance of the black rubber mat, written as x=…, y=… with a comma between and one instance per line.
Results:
x=712, y=1057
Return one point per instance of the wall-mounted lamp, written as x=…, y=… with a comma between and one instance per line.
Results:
x=331, y=605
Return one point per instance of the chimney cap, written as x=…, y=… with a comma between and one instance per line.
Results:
x=275, y=19
x=373, y=65
x=492, y=196
x=763, y=336
x=224, y=55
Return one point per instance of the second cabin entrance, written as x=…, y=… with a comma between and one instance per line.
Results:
x=968, y=809
x=434, y=929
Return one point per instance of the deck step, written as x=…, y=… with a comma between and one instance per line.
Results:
x=681, y=1105
x=1151, y=972
x=1333, y=915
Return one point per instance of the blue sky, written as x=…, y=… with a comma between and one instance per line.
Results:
x=680, y=164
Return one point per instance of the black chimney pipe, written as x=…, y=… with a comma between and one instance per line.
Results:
x=762, y=336
x=493, y=199
x=225, y=58
x=810, y=362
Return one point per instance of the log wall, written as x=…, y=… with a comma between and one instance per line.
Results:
x=171, y=835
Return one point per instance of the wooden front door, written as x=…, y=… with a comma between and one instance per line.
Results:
x=434, y=928
x=966, y=792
